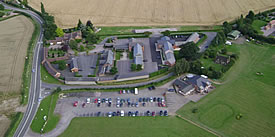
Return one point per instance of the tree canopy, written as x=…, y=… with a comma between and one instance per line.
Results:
x=2, y=7
x=73, y=44
x=59, y=32
x=189, y=51
x=182, y=66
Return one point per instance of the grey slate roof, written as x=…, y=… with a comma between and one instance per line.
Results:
x=193, y=37
x=138, y=54
x=137, y=50
x=183, y=86
x=198, y=81
x=74, y=63
x=168, y=46
x=130, y=75
x=170, y=58
x=110, y=57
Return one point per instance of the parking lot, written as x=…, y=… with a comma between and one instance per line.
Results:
x=94, y=104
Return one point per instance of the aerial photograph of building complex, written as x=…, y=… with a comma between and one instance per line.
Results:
x=141, y=68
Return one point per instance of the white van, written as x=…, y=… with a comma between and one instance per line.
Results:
x=122, y=113
x=136, y=91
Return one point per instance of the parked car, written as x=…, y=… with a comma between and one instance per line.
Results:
x=98, y=113
x=118, y=113
x=165, y=113
x=114, y=114
x=148, y=113
x=171, y=90
x=123, y=91
x=128, y=91
x=75, y=103
x=149, y=88
x=143, y=104
x=161, y=113
x=136, y=104
x=140, y=100
x=151, y=99
x=129, y=113
x=110, y=114
x=106, y=100
x=120, y=92
x=153, y=87
x=98, y=104
x=153, y=113
x=96, y=100
x=143, y=99
x=84, y=105
x=154, y=99
x=122, y=113
x=137, y=113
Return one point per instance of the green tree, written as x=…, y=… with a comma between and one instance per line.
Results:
x=2, y=14
x=113, y=70
x=227, y=28
x=195, y=67
x=139, y=67
x=42, y=8
x=2, y=7
x=133, y=67
x=80, y=25
x=57, y=90
x=182, y=66
x=73, y=44
x=90, y=25
x=61, y=65
x=92, y=38
x=189, y=51
x=82, y=48
x=251, y=16
x=25, y=2
x=59, y=32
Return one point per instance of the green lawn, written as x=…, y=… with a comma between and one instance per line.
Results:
x=257, y=24
x=242, y=92
x=46, y=77
x=46, y=108
x=192, y=28
x=132, y=127
x=118, y=55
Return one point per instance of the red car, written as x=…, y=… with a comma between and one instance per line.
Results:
x=120, y=92
x=75, y=103
x=163, y=104
x=84, y=105
x=153, y=113
x=96, y=100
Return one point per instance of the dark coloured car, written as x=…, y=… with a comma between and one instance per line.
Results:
x=129, y=104
x=165, y=113
x=147, y=99
x=84, y=105
x=98, y=114
x=129, y=113
x=149, y=88
x=154, y=99
x=161, y=113
x=148, y=113
x=159, y=99
x=109, y=104
x=143, y=104
x=114, y=114
x=153, y=87
x=137, y=113
x=140, y=100
x=98, y=104
x=171, y=90
x=118, y=113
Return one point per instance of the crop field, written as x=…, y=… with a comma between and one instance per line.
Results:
x=15, y=34
x=242, y=92
x=133, y=127
x=149, y=12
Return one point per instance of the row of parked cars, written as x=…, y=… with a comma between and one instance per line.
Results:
x=135, y=113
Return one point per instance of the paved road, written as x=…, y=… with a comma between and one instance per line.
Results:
x=207, y=43
x=65, y=87
x=34, y=92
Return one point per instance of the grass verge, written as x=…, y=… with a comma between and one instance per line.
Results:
x=47, y=78
x=134, y=127
x=46, y=108
x=15, y=121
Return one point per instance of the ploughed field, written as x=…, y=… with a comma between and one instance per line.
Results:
x=149, y=12
x=15, y=34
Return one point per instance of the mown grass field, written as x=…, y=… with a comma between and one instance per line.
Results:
x=46, y=108
x=243, y=92
x=46, y=77
x=132, y=127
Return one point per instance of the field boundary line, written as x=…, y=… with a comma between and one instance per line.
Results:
x=204, y=128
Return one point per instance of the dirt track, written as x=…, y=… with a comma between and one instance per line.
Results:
x=149, y=12
x=15, y=34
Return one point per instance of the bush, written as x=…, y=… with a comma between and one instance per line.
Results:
x=91, y=75
x=133, y=67
x=195, y=110
x=158, y=72
x=61, y=64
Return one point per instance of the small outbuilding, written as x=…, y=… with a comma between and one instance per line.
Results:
x=235, y=34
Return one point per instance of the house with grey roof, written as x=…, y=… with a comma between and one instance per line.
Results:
x=235, y=34
x=195, y=37
x=196, y=83
x=138, y=54
x=165, y=47
x=106, y=62
x=74, y=65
